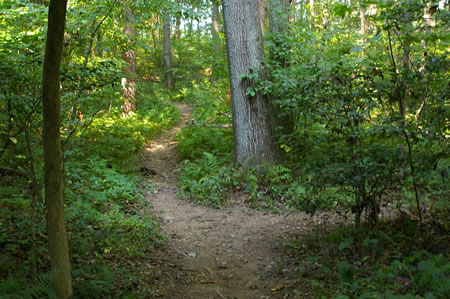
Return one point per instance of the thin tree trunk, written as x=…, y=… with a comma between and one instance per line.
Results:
x=215, y=33
x=405, y=65
x=325, y=16
x=279, y=26
x=292, y=13
x=99, y=46
x=215, y=27
x=178, y=28
x=129, y=81
x=279, y=23
x=155, y=58
x=190, y=28
x=262, y=14
x=302, y=10
x=252, y=113
x=199, y=36
x=311, y=9
x=168, y=75
x=53, y=158
x=363, y=18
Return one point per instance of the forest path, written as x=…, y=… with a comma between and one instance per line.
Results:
x=214, y=253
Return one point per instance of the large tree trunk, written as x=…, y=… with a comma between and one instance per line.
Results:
x=168, y=75
x=129, y=81
x=252, y=114
x=53, y=177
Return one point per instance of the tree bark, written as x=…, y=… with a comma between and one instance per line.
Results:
x=363, y=19
x=215, y=33
x=178, y=27
x=215, y=27
x=311, y=10
x=168, y=75
x=262, y=14
x=252, y=115
x=405, y=64
x=53, y=159
x=292, y=15
x=128, y=82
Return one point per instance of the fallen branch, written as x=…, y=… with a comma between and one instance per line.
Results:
x=220, y=294
x=207, y=270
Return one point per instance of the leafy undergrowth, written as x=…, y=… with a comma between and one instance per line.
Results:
x=105, y=216
x=207, y=175
x=395, y=260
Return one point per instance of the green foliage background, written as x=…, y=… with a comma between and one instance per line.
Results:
x=351, y=150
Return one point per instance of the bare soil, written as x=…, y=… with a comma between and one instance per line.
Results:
x=215, y=253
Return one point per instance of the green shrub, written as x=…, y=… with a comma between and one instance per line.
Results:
x=192, y=142
x=206, y=180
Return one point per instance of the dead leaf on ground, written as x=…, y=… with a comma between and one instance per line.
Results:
x=277, y=288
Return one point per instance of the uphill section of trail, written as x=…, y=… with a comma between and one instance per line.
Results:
x=214, y=253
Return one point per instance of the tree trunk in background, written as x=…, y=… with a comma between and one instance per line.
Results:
x=292, y=13
x=429, y=10
x=129, y=81
x=53, y=159
x=311, y=9
x=178, y=27
x=168, y=75
x=325, y=16
x=302, y=10
x=363, y=18
x=279, y=26
x=215, y=27
x=252, y=115
x=215, y=33
x=155, y=58
x=190, y=26
x=405, y=63
x=199, y=35
x=262, y=14
x=99, y=46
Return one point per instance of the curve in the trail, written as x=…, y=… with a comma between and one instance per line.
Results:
x=214, y=253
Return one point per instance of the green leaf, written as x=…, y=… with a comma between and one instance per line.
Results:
x=356, y=49
x=345, y=243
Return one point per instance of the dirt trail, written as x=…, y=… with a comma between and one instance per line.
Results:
x=215, y=253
